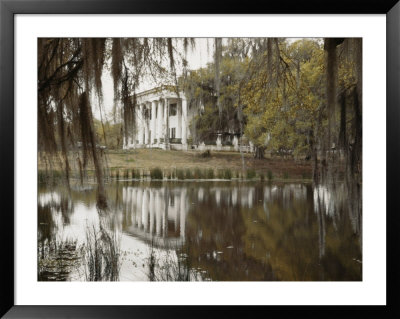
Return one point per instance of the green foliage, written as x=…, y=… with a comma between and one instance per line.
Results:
x=205, y=154
x=269, y=175
x=304, y=175
x=188, y=174
x=52, y=177
x=200, y=87
x=198, y=174
x=113, y=133
x=156, y=173
x=227, y=174
x=180, y=174
x=126, y=174
x=285, y=175
x=274, y=96
x=135, y=174
x=251, y=173
x=210, y=173
x=281, y=113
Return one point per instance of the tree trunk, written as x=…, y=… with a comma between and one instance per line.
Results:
x=259, y=152
x=331, y=80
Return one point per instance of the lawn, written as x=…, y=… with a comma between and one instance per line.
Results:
x=146, y=159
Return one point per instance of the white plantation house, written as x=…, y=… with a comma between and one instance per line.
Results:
x=163, y=120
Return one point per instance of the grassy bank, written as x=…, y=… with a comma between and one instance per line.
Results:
x=154, y=163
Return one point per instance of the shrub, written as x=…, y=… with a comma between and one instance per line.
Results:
x=180, y=174
x=42, y=177
x=269, y=175
x=304, y=175
x=52, y=177
x=188, y=174
x=262, y=177
x=210, y=173
x=126, y=174
x=156, y=173
x=206, y=154
x=227, y=174
x=135, y=174
x=198, y=173
x=286, y=175
x=251, y=173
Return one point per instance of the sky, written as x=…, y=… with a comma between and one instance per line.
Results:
x=197, y=57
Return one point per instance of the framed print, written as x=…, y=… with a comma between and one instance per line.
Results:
x=195, y=155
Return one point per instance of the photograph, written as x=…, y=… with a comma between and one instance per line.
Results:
x=199, y=159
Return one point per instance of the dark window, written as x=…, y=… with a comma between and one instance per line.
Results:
x=172, y=132
x=172, y=109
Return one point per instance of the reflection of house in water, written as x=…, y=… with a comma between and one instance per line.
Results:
x=159, y=214
x=155, y=214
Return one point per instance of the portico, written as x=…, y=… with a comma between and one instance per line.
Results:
x=161, y=120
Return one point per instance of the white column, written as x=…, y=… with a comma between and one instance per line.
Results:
x=146, y=124
x=139, y=208
x=234, y=196
x=183, y=213
x=165, y=131
x=126, y=201
x=177, y=211
x=251, y=196
x=145, y=210
x=141, y=124
x=124, y=195
x=184, y=122
x=165, y=213
x=153, y=126
x=218, y=196
x=160, y=110
x=179, y=118
x=133, y=206
x=158, y=213
x=151, y=210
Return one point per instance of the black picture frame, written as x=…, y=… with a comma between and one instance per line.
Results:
x=9, y=8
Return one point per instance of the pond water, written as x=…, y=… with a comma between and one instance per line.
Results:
x=214, y=230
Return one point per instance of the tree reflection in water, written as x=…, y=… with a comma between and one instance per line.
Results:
x=224, y=230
